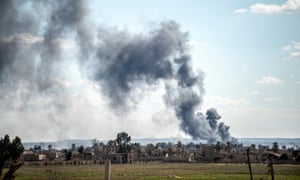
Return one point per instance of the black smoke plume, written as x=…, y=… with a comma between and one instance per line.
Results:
x=133, y=61
x=212, y=116
x=34, y=40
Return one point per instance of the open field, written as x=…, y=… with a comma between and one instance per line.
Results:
x=159, y=171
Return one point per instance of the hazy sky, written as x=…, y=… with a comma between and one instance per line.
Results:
x=248, y=51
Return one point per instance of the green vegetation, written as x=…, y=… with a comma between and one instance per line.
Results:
x=157, y=170
x=10, y=151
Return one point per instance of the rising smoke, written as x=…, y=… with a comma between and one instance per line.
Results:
x=37, y=38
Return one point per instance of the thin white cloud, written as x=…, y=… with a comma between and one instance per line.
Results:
x=259, y=8
x=253, y=93
x=273, y=99
x=287, y=47
x=296, y=45
x=196, y=43
x=269, y=80
x=293, y=46
x=294, y=51
x=294, y=56
x=254, y=115
x=224, y=101
x=240, y=11
x=234, y=82
x=297, y=82
x=291, y=75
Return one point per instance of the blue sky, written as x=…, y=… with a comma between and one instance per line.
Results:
x=248, y=50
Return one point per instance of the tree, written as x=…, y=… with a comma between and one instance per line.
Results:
x=275, y=147
x=253, y=147
x=284, y=156
x=81, y=151
x=136, y=147
x=123, y=141
x=10, y=152
x=228, y=146
x=37, y=148
x=179, y=146
x=218, y=146
x=68, y=155
x=150, y=149
x=297, y=159
x=95, y=143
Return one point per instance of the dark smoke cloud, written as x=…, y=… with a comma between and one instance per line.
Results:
x=212, y=116
x=13, y=21
x=224, y=133
x=132, y=61
x=66, y=17
x=31, y=80
x=34, y=40
x=186, y=96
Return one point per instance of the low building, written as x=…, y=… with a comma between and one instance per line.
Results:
x=119, y=157
x=29, y=155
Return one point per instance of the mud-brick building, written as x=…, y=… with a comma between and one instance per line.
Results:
x=29, y=155
x=119, y=157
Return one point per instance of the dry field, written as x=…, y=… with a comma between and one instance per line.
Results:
x=156, y=170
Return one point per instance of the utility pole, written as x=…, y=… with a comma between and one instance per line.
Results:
x=249, y=164
x=271, y=169
x=107, y=166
